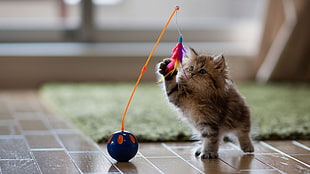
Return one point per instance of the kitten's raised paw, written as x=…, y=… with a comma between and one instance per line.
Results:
x=209, y=155
x=162, y=68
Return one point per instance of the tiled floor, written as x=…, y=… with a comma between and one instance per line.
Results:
x=33, y=140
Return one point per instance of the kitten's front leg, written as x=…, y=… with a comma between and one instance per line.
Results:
x=210, y=147
x=210, y=144
x=171, y=85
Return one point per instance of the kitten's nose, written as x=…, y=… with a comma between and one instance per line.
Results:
x=192, y=74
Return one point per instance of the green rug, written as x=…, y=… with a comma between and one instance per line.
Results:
x=279, y=111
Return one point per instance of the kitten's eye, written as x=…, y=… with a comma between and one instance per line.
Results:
x=202, y=71
x=191, y=68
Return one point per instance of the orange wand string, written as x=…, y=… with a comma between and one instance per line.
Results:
x=145, y=66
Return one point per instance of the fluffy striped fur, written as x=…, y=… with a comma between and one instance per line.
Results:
x=208, y=100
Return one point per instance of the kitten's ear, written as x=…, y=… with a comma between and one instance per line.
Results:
x=220, y=63
x=193, y=52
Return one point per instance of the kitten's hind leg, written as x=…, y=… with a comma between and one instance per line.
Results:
x=245, y=142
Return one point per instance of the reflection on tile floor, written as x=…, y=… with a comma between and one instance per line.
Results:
x=33, y=140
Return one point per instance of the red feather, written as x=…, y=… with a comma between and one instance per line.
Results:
x=177, y=56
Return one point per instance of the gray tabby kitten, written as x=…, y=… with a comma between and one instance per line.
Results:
x=208, y=100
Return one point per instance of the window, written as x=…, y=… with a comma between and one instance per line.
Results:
x=129, y=20
x=37, y=20
x=85, y=40
x=204, y=23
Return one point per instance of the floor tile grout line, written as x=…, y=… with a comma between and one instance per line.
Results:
x=152, y=164
x=262, y=154
x=117, y=168
x=68, y=154
x=24, y=138
x=64, y=148
x=105, y=156
x=168, y=148
x=296, y=143
x=160, y=157
x=77, y=131
x=248, y=153
x=74, y=163
x=50, y=129
x=17, y=159
x=181, y=147
x=10, y=136
x=236, y=147
x=32, y=155
x=47, y=149
x=48, y=126
x=280, y=171
x=282, y=153
x=101, y=173
x=256, y=170
x=65, y=131
x=89, y=152
x=37, y=132
x=87, y=138
x=84, y=136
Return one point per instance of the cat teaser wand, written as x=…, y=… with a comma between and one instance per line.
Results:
x=123, y=145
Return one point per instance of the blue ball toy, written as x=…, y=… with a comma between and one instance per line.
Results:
x=122, y=146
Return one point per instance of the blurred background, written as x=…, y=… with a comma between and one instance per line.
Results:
x=109, y=40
